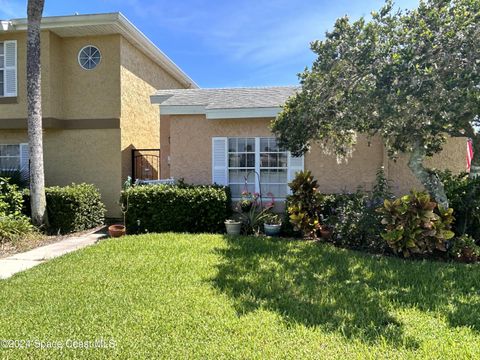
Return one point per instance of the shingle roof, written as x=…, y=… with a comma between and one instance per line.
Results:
x=226, y=98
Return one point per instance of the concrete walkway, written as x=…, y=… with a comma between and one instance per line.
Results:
x=23, y=261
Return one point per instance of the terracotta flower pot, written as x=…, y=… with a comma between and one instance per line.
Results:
x=116, y=230
x=326, y=233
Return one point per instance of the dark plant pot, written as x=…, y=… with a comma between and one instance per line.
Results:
x=326, y=233
x=233, y=228
x=272, y=229
x=116, y=230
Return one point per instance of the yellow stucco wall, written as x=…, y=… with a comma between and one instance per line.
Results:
x=190, y=152
x=91, y=156
x=68, y=91
x=140, y=78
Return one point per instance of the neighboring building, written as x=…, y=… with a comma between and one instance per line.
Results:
x=222, y=136
x=98, y=72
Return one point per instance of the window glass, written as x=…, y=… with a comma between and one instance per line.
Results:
x=243, y=169
x=2, y=73
x=273, y=169
x=9, y=157
x=241, y=165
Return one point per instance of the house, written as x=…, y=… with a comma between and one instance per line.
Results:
x=222, y=136
x=98, y=72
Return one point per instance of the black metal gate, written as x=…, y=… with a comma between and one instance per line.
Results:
x=145, y=164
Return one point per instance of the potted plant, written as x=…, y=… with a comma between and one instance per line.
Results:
x=247, y=201
x=118, y=230
x=326, y=232
x=233, y=227
x=272, y=225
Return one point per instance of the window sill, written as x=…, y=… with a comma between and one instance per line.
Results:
x=8, y=100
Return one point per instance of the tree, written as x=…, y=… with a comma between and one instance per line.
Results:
x=411, y=77
x=34, y=99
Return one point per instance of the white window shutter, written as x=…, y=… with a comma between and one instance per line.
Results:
x=295, y=164
x=24, y=161
x=10, y=49
x=219, y=161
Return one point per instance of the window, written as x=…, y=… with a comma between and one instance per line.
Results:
x=10, y=157
x=2, y=69
x=15, y=157
x=256, y=164
x=241, y=165
x=273, y=168
x=89, y=57
x=8, y=68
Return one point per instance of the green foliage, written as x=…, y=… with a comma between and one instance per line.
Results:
x=15, y=176
x=414, y=224
x=73, y=208
x=464, y=249
x=411, y=77
x=14, y=227
x=273, y=219
x=13, y=224
x=186, y=208
x=11, y=199
x=464, y=195
x=304, y=205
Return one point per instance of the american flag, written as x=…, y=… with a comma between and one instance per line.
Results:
x=469, y=154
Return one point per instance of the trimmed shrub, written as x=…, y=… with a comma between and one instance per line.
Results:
x=185, y=208
x=74, y=208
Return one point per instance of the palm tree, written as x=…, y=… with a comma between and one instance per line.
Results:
x=34, y=99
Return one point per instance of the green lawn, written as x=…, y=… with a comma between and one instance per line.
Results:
x=208, y=296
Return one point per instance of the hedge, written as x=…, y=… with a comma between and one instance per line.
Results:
x=72, y=208
x=161, y=208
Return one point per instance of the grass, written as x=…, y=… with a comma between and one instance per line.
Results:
x=210, y=296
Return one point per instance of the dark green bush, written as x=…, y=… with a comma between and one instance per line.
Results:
x=71, y=208
x=15, y=177
x=354, y=217
x=463, y=194
x=185, y=208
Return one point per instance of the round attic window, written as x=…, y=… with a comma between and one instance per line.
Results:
x=89, y=57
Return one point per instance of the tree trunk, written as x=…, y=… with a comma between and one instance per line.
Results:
x=430, y=180
x=34, y=99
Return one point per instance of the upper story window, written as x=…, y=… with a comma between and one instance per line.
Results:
x=8, y=68
x=89, y=57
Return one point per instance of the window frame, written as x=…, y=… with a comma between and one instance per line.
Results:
x=19, y=156
x=257, y=166
x=100, y=57
x=2, y=69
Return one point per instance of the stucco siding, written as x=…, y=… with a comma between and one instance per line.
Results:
x=190, y=155
x=91, y=156
x=140, y=120
x=91, y=93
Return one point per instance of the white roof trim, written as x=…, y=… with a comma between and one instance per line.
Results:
x=215, y=114
x=242, y=113
x=182, y=109
x=120, y=24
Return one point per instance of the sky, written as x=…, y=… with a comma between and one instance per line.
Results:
x=225, y=43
